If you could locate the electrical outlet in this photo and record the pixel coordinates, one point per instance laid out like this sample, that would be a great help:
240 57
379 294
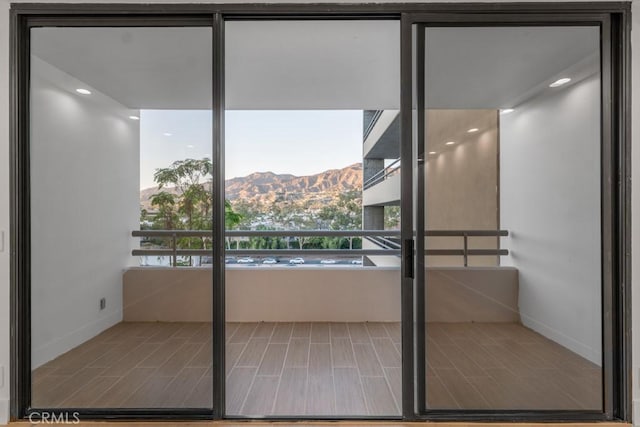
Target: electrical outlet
103 303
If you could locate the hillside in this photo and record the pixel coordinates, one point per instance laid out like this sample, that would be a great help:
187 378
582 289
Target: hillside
265 188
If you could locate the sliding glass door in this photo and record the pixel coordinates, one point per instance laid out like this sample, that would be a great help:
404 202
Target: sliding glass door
312 189
120 177
265 214
509 167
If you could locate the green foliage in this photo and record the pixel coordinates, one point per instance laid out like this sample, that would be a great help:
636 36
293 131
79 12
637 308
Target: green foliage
231 218
167 216
342 213
188 205
392 217
345 214
184 202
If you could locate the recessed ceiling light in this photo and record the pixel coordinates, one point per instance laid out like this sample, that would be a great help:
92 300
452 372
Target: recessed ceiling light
83 91
449 142
167 134
507 111
432 152
472 130
189 146
134 117
560 82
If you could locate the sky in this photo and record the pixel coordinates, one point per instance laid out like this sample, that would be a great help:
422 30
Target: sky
300 142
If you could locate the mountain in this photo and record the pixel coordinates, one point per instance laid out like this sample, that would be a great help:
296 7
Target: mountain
260 184
268 187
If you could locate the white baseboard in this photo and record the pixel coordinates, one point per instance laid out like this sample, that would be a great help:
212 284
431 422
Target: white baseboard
562 339
52 349
4 411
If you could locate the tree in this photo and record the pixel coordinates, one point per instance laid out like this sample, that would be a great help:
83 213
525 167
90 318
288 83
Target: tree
345 214
167 216
231 218
187 202
186 176
391 217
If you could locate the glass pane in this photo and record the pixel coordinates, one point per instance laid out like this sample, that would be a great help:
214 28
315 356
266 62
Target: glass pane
513 144
121 142
311 146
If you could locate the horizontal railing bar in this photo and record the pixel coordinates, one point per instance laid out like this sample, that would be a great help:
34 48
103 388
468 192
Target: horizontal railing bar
260 252
470 233
460 252
315 233
310 233
288 252
170 252
382 171
381 175
171 233
267 233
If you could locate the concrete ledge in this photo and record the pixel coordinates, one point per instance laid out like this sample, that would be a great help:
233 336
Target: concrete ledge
482 294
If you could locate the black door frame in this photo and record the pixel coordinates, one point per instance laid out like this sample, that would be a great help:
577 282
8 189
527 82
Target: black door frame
415 26
614 18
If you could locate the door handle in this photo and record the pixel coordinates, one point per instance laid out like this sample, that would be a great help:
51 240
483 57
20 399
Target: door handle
407 256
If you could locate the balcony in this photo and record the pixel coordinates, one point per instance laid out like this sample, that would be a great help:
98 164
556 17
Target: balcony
321 340
283 292
382 136
383 188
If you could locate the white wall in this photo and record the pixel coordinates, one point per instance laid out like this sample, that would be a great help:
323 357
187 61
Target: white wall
550 203
84 204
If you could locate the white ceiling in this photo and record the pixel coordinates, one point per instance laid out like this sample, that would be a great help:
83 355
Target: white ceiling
499 67
139 67
314 64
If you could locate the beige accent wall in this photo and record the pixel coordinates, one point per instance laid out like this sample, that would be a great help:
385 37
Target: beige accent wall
322 295
461 180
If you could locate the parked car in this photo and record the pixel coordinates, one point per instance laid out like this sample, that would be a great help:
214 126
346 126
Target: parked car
246 261
328 261
296 261
270 261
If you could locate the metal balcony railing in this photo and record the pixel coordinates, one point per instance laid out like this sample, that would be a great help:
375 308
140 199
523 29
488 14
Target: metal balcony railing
383 174
372 124
387 240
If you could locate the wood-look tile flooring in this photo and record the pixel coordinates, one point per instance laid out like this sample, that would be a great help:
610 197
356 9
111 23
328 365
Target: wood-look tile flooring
314 369
329 369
